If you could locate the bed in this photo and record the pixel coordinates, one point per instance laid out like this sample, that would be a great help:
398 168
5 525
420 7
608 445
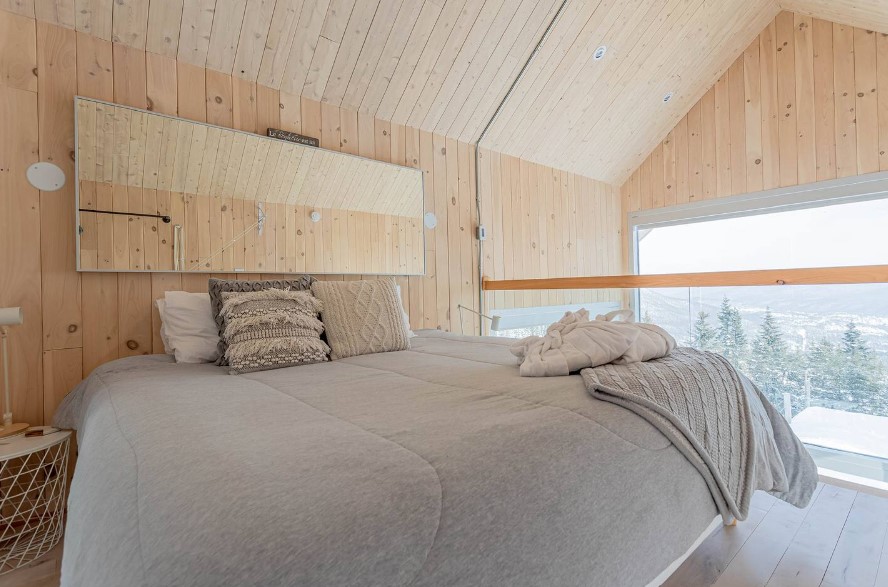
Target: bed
433 466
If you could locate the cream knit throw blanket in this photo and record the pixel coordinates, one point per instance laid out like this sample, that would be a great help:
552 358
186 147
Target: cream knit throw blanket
698 401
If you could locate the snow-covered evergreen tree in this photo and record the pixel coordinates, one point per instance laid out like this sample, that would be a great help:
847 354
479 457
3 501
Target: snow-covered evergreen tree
703 336
730 336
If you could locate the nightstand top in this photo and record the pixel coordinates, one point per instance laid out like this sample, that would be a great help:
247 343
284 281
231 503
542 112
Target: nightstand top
22 445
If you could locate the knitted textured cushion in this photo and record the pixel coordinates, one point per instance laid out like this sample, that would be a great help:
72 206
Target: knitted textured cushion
361 317
272 328
217 287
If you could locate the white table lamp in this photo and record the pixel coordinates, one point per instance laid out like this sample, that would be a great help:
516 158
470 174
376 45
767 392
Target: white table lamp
8 317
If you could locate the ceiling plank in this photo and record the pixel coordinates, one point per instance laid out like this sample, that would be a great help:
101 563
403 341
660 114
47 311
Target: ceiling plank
356 33
335 24
319 71
397 63
164 20
615 21
251 45
20 7
279 42
389 15
564 32
225 34
485 34
305 42
194 36
93 17
59 12
496 47
130 22
473 118
414 104
871 15
405 88
729 42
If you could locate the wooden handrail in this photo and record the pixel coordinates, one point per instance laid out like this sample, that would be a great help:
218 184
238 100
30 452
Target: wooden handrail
763 277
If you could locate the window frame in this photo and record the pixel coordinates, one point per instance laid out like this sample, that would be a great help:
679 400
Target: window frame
846 190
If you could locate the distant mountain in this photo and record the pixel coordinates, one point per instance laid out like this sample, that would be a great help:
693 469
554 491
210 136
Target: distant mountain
805 313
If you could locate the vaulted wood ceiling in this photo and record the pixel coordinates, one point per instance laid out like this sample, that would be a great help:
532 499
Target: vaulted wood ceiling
444 65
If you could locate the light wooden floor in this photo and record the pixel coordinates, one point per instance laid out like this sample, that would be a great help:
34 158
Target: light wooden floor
838 540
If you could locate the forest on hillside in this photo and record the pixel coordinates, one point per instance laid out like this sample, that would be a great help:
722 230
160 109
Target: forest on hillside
846 375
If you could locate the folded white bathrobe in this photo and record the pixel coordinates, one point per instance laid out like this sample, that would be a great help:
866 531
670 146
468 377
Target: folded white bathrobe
575 343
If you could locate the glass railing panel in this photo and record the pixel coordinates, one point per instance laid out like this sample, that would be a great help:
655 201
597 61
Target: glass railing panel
819 354
524 313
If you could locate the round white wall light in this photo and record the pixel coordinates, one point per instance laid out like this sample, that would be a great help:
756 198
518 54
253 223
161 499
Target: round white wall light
46 177
599 53
315 216
430 220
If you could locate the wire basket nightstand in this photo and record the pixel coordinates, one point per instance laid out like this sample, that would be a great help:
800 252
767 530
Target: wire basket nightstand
33 479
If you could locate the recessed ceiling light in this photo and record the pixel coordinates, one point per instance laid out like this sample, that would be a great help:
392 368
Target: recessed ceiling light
667 97
599 53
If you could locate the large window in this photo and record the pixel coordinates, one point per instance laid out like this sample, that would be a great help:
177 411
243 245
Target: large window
819 353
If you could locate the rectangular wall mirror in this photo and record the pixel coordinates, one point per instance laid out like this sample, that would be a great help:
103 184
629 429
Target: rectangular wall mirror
158 193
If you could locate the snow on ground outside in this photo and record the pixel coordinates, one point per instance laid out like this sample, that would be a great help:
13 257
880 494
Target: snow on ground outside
847 431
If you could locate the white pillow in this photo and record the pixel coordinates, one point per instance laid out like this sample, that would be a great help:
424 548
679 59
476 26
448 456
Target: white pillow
164 338
190 328
404 315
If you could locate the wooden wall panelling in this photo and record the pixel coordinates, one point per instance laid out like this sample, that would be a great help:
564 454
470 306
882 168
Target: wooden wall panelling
416 235
468 258
62 370
752 110
451 154
134 289
846 101
786 96
817 108
18 52
866 101
61 283
824 100
442 254
736 89
118 316
20 249
95 78
804 100
430 289
162 84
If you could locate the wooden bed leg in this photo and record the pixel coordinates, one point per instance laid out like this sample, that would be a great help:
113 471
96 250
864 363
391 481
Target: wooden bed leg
733 522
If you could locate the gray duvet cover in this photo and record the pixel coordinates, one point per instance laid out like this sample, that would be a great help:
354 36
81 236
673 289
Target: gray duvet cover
428 467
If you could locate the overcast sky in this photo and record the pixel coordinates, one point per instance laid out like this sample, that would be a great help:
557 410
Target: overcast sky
847 234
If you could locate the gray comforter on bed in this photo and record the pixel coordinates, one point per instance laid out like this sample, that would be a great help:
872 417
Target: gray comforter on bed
433 466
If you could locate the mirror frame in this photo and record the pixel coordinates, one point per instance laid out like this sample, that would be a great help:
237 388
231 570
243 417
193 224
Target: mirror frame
77 212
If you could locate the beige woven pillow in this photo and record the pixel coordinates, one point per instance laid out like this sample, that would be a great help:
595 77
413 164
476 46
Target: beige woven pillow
361 317
272 328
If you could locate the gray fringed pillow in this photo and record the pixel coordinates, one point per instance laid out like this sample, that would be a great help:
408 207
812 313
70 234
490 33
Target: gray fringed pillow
216 287
272 328
362 317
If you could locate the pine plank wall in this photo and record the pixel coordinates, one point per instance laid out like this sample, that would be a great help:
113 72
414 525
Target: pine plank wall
806 101
541 221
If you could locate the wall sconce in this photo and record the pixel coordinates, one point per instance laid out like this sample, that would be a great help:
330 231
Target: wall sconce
315 216
430 220
46 177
